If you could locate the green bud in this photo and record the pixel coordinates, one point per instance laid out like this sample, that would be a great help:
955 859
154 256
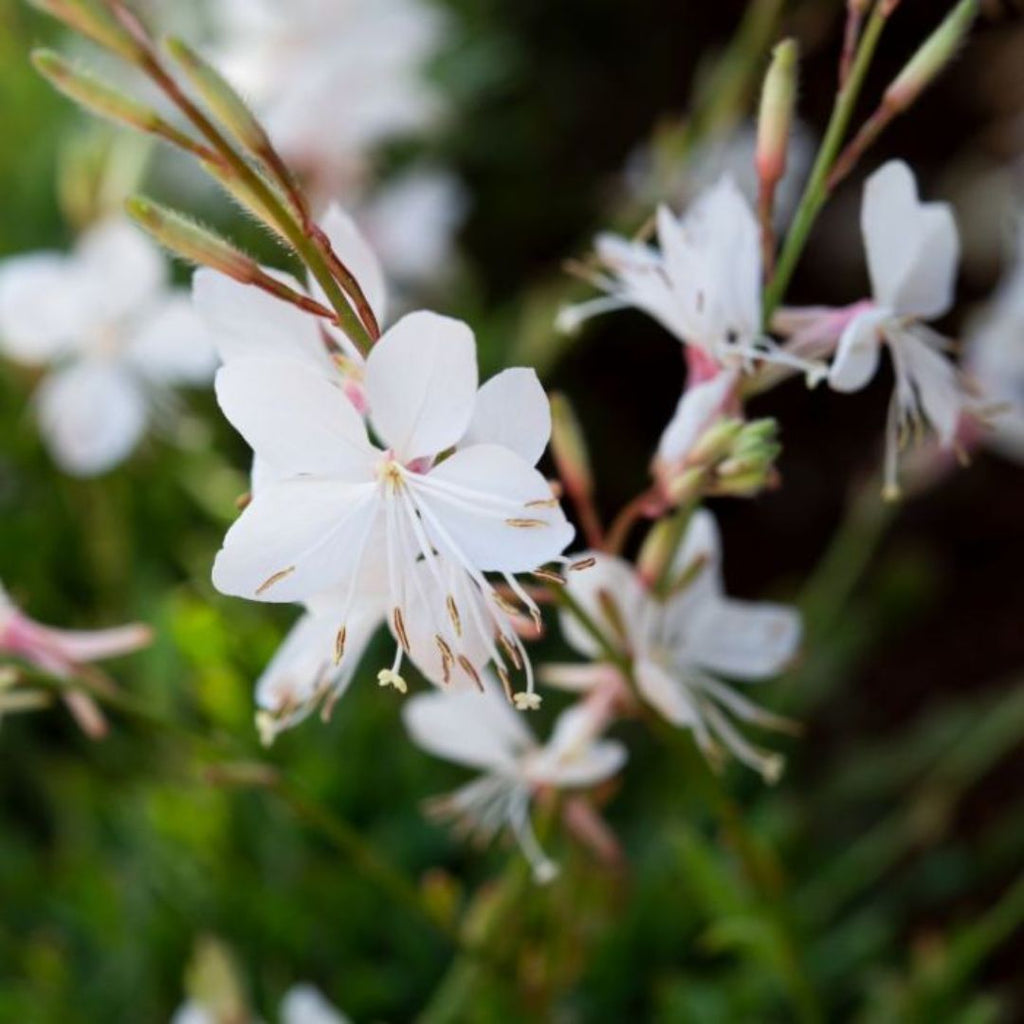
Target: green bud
687 486
716 442
657 551
932 57
220 98
95 22
190 241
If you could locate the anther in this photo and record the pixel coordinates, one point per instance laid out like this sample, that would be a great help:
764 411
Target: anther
399 623
339 645
276 578
467 666
453 614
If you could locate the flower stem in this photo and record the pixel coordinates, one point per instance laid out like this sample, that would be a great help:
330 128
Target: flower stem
817 191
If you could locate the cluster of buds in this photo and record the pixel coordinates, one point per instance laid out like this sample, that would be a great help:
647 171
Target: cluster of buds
731 458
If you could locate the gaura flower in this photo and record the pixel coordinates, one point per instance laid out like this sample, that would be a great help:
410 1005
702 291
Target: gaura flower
114 334
679 645
344 513
332 79
994 354
702 283
481 731
302 1004
912 252
64 653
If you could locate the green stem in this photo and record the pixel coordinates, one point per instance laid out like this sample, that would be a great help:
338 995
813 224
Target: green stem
817 190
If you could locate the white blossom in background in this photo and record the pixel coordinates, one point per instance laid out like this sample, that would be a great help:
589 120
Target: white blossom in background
444 493
302 1004
994 355
681 645
912 251
411 221
732 153
112 336
331 79
482 732
702 282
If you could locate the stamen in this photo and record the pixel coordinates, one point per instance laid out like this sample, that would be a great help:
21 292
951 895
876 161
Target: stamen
526 701
276 578
510 648
447 658
583 563
389 677
551 502
339 645
506 684
399 622
549 575
526 524
453 614
467 666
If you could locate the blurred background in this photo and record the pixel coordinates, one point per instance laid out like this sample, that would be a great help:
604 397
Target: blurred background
888 882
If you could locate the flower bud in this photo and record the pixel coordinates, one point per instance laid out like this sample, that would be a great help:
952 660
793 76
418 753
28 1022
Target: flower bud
221 98
716 442
190 241
656 553
569 448
687 485
95 22
932 57
775 120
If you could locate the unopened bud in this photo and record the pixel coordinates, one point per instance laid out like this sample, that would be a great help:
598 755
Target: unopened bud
656 553
716 442
775 119
757 438
188 240
754 460
687 486
220 98
745 485
95 22
569 448
932 57
96 96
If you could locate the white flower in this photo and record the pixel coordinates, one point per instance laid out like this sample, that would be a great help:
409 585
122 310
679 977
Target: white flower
302 1004
104 318
702 283
341 513
332 78
481 731
678 646
995 356
912 252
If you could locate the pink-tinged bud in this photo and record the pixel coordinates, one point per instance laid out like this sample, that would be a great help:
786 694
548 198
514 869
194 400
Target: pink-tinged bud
188 240
933 56
775 120
570 449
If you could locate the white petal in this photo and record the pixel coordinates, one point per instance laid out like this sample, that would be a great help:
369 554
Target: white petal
912 247
936 381
246 322
666 694
513 411
573 756
41 313
478 730
421 382
295 419
298 539
304 665
857 353
745 639
92 415
697 410
172 345
352 248
479 494
304 1004
702 543
123 270
608 578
